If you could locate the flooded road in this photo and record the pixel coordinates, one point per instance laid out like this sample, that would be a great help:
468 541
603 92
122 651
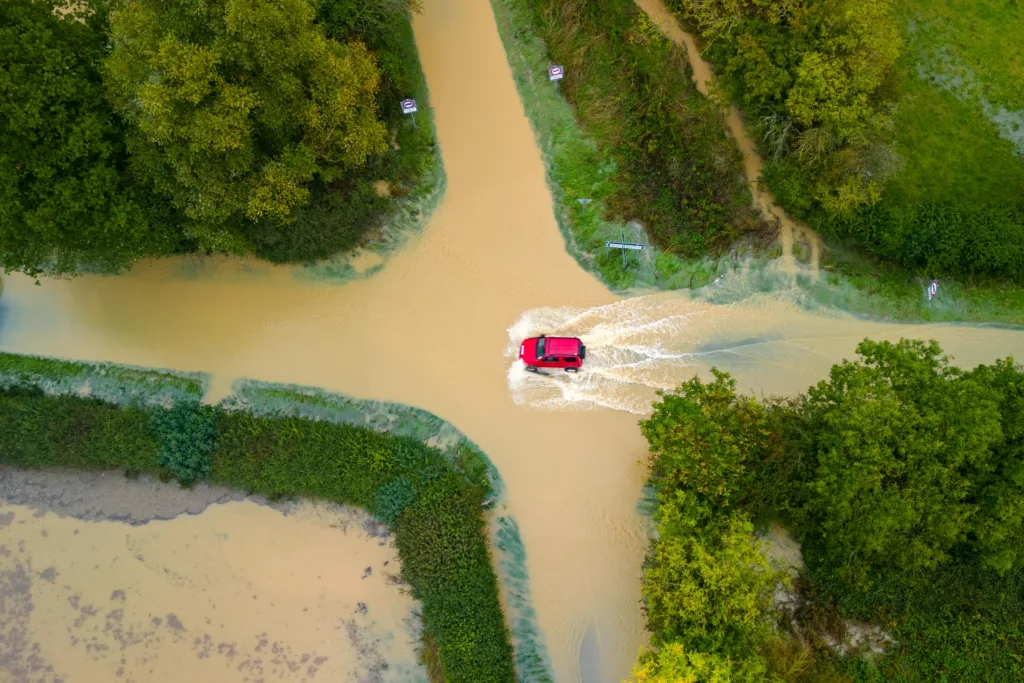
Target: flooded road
239 593
431 330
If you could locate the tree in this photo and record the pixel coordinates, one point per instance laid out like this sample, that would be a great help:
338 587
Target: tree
236 106
673 663
812 72
998 528
703 440
887 444
66 200
712 592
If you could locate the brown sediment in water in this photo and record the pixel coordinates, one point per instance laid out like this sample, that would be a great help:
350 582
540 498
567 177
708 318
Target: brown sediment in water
430 330
241 592
753 165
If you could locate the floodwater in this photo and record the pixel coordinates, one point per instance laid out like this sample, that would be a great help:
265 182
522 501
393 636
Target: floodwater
240 593
643 344
431 330
790 231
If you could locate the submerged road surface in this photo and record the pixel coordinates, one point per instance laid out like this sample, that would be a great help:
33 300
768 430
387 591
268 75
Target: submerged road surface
430 330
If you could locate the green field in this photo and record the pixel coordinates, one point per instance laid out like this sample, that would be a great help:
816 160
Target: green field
951 148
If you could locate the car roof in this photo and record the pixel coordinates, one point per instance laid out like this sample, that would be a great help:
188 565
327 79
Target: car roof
561 346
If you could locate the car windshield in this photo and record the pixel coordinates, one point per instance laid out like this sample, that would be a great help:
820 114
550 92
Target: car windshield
540 347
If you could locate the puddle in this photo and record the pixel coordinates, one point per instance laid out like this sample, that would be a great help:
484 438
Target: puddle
240 593
430 329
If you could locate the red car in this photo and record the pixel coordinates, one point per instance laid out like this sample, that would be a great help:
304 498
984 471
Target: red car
552 352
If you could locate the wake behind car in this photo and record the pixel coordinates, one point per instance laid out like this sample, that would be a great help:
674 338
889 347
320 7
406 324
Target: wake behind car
552 352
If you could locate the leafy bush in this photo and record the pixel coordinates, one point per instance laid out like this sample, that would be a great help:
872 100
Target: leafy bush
41 430
188 435
393 498
674 664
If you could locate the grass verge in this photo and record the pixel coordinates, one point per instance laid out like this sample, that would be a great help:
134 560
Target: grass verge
278 441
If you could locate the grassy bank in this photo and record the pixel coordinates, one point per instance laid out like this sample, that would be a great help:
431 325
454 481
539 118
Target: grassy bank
278 441
627 130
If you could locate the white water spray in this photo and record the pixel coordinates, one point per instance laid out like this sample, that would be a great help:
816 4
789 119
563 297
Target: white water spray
635 347
638 346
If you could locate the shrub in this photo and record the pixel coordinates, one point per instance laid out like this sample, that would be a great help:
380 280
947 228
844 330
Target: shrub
939 238
188 435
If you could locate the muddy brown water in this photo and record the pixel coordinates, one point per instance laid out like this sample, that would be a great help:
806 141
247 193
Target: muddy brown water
239 593
431 330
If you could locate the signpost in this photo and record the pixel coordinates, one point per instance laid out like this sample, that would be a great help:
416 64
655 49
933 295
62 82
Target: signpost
933 289
409 107
625 246
555 74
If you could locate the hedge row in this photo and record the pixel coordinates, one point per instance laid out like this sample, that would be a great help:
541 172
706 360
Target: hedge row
939 239
432 500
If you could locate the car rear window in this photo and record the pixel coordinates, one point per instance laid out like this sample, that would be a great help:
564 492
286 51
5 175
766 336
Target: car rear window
540 347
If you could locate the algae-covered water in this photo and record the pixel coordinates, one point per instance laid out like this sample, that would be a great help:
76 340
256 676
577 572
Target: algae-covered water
431 329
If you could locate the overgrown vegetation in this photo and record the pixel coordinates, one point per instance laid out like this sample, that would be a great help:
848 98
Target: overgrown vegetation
813 72
903 478
136 129
661 155
432 499
876 127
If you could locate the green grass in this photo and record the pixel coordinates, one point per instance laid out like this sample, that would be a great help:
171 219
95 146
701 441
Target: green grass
286 442
950 148
120 384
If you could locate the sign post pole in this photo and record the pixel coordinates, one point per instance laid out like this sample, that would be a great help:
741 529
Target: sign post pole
624 245
555 74
409 107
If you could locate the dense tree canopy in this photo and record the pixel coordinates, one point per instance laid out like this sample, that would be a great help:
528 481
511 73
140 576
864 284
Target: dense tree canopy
65 199
235 107
890 444
897 472
812 73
